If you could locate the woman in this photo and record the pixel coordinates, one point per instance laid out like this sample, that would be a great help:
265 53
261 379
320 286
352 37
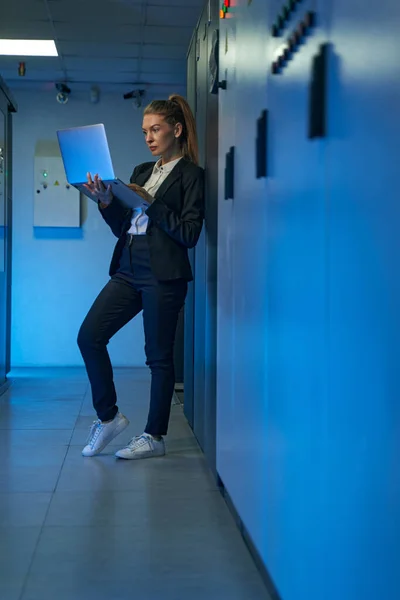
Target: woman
149 271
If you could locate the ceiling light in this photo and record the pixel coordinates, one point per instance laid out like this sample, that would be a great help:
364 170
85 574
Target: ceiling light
28 48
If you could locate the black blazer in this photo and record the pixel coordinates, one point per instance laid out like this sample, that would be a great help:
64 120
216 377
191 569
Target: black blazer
175 220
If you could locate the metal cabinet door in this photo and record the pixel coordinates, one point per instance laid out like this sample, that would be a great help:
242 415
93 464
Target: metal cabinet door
5 233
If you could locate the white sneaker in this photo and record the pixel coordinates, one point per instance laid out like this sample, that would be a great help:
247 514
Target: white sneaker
101 434
142 446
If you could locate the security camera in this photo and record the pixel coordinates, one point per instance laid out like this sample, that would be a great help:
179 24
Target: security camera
63 93
136 96
62 87
62 98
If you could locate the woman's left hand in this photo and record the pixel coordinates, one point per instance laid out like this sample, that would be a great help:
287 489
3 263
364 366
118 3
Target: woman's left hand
142 192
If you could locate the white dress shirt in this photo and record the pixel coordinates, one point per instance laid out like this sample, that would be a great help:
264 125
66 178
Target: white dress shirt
160 173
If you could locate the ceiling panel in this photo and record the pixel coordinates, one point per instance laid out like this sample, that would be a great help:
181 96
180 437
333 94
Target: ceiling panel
32 62
49 74
99 50
92 77
32 10
172 16
168 35
161 50
121 88
163 66
115 43
195 3
101 64
115 3
80 32
179 78
21 29
128 78
103 13
96 4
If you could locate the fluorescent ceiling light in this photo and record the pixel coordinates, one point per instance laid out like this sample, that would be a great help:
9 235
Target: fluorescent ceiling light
28 48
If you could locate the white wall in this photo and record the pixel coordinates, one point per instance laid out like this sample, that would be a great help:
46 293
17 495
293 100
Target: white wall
58 273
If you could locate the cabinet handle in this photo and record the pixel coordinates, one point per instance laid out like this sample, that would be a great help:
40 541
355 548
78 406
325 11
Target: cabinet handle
262 146
318 93
230 174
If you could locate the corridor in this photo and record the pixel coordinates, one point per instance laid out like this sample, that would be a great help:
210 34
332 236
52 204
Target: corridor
101 529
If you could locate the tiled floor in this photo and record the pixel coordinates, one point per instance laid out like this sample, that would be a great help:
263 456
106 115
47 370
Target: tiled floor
74 528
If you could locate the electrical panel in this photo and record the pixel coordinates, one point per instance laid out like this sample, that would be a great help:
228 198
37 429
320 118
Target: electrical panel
56 202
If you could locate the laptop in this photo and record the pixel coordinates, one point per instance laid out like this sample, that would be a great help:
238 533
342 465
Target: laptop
85 150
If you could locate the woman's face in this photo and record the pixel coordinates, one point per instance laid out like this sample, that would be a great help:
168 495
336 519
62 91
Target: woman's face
161 137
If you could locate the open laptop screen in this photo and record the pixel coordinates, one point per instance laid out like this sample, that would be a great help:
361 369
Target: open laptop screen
83 150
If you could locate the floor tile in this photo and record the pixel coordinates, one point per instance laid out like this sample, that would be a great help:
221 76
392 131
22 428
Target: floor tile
16 551
34 437
124 562
54 374
23 509
136 374
99 528
27 469
139 508
18 395
105 472
39 415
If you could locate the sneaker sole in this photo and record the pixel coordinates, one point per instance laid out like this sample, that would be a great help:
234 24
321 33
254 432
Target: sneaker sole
116 432
143 456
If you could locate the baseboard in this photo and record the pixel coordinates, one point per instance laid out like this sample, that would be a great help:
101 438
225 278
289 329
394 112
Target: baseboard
269 584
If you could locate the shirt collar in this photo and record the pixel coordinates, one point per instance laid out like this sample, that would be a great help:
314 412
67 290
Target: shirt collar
166 168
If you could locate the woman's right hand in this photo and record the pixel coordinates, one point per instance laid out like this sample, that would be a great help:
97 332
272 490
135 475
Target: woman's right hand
97 189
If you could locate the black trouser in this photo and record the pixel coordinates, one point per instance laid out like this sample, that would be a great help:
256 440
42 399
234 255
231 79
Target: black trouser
131 290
